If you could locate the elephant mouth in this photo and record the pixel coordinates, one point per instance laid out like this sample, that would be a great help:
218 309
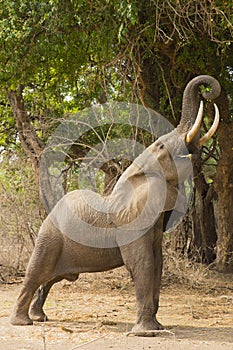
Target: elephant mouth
184 156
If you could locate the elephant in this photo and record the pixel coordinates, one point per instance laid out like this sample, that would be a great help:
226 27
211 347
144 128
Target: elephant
87 232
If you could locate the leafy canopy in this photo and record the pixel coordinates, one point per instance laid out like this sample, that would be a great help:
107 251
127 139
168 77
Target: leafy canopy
69 54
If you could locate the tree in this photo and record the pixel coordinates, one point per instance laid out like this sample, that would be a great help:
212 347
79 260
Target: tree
172 42
128 49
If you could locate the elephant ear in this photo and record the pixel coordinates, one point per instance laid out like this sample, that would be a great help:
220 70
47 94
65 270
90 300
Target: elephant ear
175 207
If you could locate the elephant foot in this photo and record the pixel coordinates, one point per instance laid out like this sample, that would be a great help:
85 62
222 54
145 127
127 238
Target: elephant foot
38 315
146 328
20 320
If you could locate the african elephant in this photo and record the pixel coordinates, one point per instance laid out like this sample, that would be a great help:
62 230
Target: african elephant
86 232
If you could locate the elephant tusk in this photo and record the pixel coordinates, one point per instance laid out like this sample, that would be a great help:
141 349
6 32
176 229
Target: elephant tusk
196 125
213 128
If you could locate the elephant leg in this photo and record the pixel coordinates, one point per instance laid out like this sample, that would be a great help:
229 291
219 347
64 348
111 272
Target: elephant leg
139 260
41 268
158 265
36 310
20 312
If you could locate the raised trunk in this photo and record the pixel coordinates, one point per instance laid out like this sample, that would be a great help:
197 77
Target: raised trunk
191 99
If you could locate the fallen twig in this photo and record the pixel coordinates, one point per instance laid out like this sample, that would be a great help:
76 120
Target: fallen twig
149 333
91 341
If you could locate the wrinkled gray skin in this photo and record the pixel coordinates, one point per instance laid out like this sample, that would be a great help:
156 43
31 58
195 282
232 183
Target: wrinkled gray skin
58 256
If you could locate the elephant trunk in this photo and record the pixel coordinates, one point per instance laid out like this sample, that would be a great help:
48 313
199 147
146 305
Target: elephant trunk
191 100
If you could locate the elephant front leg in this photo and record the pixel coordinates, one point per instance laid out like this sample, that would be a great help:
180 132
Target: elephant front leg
158 264
140 263
147 306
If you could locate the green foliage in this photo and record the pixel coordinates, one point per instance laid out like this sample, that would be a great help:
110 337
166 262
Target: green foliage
7 128
53 41
15 165
58 52
69 54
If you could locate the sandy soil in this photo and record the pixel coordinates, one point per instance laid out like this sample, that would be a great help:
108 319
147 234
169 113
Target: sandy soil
98 310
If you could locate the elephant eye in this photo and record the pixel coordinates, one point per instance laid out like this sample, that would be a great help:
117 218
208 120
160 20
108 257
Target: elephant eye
161 146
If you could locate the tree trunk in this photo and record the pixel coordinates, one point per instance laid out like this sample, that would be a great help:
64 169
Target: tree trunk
205 216
224 189
30 143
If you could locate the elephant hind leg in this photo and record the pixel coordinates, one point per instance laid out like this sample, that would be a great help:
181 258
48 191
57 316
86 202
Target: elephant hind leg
36 310
20 315
40 270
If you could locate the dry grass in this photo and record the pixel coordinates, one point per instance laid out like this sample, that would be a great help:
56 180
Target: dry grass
179 269
14 255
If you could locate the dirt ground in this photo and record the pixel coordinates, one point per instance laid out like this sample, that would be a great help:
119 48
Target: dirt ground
98 310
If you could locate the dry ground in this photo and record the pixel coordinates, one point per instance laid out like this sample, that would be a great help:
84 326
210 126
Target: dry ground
96 312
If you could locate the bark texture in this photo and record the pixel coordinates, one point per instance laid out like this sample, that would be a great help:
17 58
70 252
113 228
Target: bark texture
224 189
